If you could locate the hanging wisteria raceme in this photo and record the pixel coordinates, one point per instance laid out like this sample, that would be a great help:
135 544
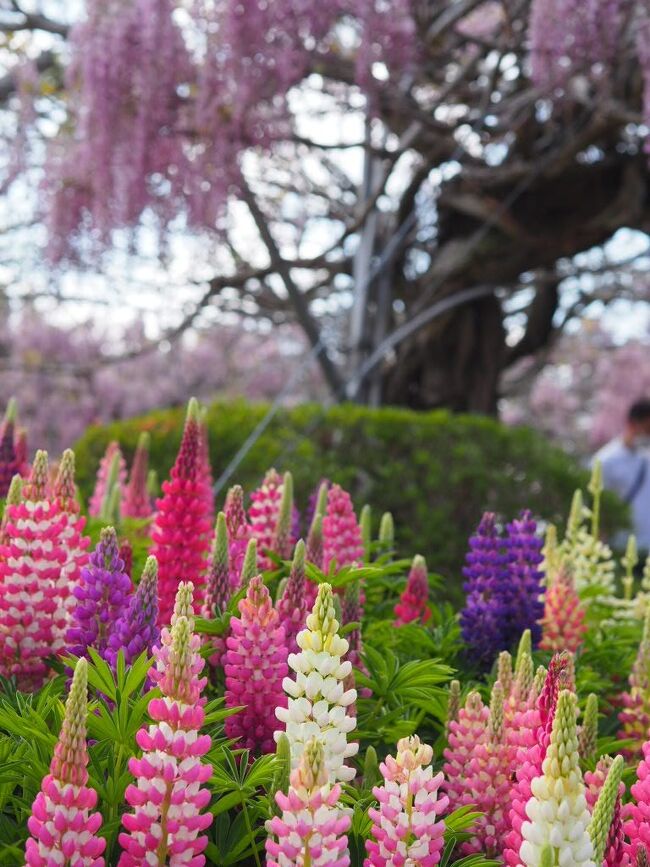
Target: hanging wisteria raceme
136 629
102 597
239 532
342 543
63 830
166 824
136 502
311 828
101 490
407 828
255 665
413 605
33 605
318 702
182 526
293 604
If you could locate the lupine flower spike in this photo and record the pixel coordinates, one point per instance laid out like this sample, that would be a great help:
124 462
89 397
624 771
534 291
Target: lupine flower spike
239 532
465 734
386 534
292 606
637 814
250 566
563 623
413 603
314 554
342 543
521 593
407 828
606 829
283 541
14 498
182 526
33 604
217 588
62 827
588 733
166 824
102 597
136 629
136 502
453 704
557 810
263 515
311 829
255 664
365 525
318 703
110 510
9 461
635 716
103 473
280 782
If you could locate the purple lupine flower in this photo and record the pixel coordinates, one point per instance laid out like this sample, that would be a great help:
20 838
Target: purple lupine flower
522 592
482 618
102 597
136 630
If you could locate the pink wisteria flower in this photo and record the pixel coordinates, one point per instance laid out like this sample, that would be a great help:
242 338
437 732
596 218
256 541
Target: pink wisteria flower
407 828
62 827
312 826
166 824
342 542
255 664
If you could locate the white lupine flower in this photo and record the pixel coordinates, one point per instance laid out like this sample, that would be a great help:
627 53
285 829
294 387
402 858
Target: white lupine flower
317 700
557 810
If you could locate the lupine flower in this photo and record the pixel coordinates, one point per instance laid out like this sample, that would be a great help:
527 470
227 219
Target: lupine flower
563 624
465 734
182 525
283 537
386 534
9 461
98 499
263 515
522 591
126 556
557 810
102 597
255 665
33 605
588 732
239 532
136 629
342 541
604 791
14 498
413 603
218 588
407 828
312 827
635 716
250 566
318 703
314 554
636 815
62 827
292 606
166 823
365 526
136 502
317 502
204 460
453 704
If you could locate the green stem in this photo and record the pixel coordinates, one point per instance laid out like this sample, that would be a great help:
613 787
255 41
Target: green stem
249 828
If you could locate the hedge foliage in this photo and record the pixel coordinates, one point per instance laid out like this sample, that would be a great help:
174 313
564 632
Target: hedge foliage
435 471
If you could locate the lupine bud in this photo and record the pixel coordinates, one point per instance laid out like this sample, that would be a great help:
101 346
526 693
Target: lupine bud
386 533
136 629
239 533
283 541
126 556
314 552
280 782
453 704
342 543
106 466
9 461
365 526
250 566
14 498
136 502
413 603
407 828
217 588
255 665
371 773
62 827
167 799
504 671
588 734
318 703
292 606
629 562
603 814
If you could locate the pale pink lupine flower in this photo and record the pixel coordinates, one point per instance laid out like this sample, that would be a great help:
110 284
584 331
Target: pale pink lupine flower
342 540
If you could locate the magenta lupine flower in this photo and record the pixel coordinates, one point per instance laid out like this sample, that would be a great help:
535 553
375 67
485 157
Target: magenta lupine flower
263 514
136 502
312 827
32 609
413 603
407 828
255 664
239 532
293 605
342 541
167 799
62 827
103 473
136 629
126 556
465 734
636 815
102 597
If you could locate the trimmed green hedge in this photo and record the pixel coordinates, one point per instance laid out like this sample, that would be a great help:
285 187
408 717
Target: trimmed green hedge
436 472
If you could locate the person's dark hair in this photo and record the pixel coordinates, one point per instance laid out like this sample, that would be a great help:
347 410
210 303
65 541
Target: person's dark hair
639 411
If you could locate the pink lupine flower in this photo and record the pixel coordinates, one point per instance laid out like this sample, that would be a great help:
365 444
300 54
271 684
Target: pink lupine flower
465 734
239 532
166 823
32 607
342 542
263 514
563 624
635 716
136 502
312 827
182 525
255 664
101 484
62 827
413 603
406 826
636 815
293 604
